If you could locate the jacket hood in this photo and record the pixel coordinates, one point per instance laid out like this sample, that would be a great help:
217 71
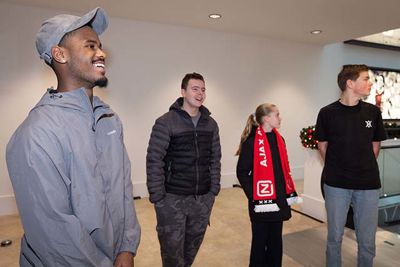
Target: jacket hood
177 106
76 99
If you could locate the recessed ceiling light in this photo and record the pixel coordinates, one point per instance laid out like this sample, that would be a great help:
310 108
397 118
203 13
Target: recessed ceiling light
316 32
215 16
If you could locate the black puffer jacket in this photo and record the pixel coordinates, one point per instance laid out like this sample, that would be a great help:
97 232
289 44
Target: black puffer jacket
183 159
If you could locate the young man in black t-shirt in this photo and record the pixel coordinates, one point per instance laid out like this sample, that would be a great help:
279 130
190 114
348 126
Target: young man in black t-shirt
349 132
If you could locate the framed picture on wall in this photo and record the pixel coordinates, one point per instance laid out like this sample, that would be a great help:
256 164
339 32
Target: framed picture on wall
385 92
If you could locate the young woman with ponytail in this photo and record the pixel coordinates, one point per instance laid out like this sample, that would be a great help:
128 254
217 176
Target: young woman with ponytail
264 173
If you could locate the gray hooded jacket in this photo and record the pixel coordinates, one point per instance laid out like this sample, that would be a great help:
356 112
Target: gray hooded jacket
72 181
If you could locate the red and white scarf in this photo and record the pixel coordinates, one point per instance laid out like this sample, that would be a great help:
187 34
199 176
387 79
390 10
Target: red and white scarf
264 190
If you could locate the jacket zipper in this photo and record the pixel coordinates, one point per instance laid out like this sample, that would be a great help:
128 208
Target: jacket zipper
197 162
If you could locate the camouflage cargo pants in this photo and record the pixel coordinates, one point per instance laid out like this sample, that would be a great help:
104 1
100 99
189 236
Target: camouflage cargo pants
181 224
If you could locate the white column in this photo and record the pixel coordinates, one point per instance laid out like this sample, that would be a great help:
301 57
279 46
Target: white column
313 202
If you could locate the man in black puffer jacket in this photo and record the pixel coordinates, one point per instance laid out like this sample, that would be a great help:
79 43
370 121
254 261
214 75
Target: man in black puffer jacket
183 173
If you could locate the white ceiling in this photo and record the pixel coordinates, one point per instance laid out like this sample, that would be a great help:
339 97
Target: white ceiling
290 20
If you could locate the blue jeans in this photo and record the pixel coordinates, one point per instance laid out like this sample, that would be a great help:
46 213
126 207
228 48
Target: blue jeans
365 207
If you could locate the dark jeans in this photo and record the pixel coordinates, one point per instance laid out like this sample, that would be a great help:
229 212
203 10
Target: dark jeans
181 224
266 244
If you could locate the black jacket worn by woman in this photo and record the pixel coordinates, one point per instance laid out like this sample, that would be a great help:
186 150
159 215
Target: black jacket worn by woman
244 172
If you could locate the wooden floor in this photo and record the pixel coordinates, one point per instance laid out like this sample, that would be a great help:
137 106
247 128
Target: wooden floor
227 242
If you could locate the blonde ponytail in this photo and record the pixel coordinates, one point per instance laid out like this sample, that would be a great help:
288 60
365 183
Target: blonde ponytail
253 121
247 130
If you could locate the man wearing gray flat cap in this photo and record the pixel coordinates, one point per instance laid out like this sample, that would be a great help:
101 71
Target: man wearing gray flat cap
67 161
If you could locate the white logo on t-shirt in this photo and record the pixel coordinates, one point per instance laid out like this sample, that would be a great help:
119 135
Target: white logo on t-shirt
368 124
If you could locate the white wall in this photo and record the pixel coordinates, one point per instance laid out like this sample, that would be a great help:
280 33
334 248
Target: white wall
146 63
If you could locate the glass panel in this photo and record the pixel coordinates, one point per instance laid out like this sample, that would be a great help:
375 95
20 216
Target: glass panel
389 167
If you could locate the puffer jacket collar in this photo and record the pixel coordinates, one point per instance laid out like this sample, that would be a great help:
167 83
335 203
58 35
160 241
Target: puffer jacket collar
177 106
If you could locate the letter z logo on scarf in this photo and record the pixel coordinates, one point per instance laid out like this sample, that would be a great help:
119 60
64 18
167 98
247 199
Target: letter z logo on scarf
265 188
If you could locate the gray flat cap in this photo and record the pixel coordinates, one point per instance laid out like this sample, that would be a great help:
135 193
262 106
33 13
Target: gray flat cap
54 29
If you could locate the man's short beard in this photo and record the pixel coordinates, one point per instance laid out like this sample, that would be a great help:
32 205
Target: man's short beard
101 82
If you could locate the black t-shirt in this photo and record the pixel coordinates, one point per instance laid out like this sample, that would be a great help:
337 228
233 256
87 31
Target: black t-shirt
350 130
